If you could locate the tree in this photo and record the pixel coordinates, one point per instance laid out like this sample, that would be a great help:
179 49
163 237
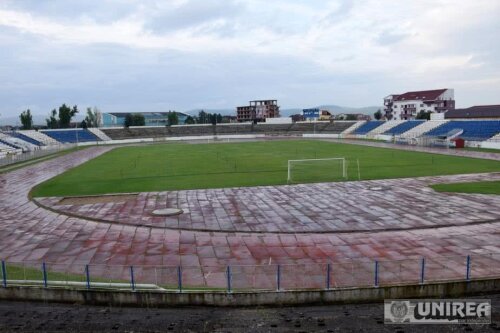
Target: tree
139 120
426 115
26 119
134 119
189 120
203 117
83 124
65 115
378 115
93 118
351 117
172 118
128 120
52 120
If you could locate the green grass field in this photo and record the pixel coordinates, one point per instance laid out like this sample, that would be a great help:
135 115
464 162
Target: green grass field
489 187
186 166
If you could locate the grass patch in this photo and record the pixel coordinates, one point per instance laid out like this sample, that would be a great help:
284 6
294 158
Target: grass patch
488 187
185 166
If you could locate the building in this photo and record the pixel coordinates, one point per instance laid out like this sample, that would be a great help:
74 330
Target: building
316 114
117 119
475 112
408 105
258 110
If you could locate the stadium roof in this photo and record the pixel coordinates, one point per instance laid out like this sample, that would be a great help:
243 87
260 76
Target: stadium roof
478 111
425 95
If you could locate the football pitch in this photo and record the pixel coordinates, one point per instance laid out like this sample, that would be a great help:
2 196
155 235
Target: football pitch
181 166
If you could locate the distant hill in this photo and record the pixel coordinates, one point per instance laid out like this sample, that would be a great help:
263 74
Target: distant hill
334 109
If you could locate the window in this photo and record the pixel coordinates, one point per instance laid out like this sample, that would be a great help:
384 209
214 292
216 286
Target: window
421 105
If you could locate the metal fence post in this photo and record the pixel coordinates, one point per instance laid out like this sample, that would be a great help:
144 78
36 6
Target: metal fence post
132 281
44 274
278 278
228 273
467 273
376 273
87 276
4 275
328 269
422 270
179 278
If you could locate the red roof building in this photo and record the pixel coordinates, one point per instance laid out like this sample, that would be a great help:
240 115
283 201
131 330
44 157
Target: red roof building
410 104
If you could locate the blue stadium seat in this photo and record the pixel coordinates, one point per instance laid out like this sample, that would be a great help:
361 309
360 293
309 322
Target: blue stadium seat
368 127
403 127
473 130
25 138
72 136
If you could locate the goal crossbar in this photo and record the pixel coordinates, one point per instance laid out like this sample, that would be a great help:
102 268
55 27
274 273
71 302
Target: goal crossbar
344 171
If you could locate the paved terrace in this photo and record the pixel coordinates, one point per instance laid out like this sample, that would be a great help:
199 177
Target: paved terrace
30 233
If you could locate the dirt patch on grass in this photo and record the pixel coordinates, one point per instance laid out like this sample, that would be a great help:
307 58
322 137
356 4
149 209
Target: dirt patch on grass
95 199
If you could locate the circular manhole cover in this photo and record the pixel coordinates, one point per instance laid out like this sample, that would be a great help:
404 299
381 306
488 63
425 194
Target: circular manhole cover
167 211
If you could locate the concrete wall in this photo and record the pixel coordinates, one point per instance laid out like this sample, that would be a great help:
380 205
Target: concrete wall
165 299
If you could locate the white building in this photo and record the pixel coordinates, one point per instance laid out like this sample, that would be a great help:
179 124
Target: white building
408 105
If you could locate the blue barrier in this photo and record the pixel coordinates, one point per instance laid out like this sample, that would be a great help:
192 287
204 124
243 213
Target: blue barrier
132 280
228 273
179 278
87 276
467 273
422 270
44 274
328 269
4 275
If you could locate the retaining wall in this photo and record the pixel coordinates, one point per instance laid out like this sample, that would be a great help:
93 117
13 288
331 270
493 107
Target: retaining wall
166 299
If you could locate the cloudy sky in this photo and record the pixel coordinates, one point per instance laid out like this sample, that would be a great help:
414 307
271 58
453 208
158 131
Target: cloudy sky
128 55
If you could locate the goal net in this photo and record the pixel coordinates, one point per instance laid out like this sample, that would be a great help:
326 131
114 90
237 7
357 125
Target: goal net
317 170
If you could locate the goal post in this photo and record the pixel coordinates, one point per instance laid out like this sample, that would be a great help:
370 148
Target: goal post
318 169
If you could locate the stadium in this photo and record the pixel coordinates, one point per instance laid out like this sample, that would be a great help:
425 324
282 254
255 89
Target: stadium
251 208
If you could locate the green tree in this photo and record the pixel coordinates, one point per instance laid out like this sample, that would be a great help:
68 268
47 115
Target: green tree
351 117
26 119
172 118
52 120
203 117
378 115
93 117
425 115
189 120
83 124
129 120
138 119
65 115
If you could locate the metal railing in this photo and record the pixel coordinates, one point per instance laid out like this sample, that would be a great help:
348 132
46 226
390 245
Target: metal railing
234 278
10 159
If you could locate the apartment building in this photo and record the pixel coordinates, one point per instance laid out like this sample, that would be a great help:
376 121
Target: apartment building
406 106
